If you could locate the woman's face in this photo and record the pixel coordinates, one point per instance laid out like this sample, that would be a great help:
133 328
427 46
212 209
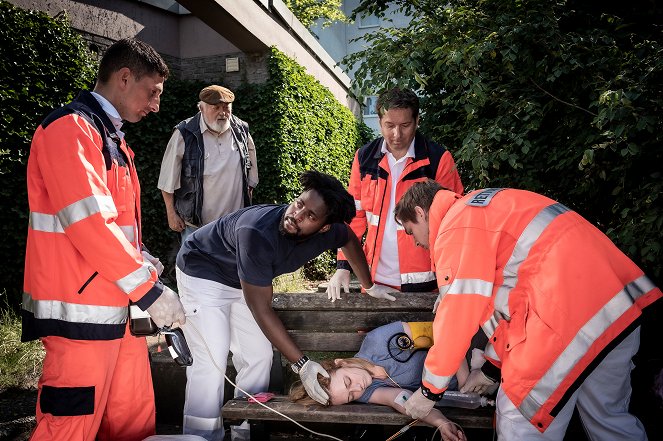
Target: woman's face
347 384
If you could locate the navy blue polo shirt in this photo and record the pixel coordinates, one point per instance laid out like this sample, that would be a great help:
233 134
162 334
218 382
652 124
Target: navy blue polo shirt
247 245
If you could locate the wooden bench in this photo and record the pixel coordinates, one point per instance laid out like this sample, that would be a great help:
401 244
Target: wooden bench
319 327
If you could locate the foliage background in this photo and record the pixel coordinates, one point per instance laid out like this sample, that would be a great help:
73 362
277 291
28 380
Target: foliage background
308 12
558 97
43 65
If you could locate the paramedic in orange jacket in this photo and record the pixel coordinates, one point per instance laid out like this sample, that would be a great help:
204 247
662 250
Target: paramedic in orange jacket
558 301
83 260
382 171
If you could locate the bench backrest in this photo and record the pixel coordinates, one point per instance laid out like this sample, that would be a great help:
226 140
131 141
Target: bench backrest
317 324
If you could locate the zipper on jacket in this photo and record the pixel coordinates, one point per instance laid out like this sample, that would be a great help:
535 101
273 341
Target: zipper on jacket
377 230
82 288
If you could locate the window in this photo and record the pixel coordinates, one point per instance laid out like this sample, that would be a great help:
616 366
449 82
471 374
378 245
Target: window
368 21
370 106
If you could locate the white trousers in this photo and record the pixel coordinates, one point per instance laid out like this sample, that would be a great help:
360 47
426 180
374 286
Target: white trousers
602 401
225 323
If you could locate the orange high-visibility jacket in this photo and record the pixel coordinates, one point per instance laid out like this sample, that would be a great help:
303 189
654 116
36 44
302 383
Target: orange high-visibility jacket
83 263
370 185
548 288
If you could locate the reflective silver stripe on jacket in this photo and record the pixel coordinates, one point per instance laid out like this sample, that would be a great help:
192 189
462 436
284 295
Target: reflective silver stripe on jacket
489 352
464 286
490 325
372 219
583 340
129 232
438 381
86 207
136 278
48 223
525 242
470 286
420 277
73 312
357 205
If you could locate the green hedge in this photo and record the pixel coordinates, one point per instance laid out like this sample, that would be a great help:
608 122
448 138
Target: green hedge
297 125
43 65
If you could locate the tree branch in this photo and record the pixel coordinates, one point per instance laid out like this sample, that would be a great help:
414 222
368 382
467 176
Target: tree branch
560 100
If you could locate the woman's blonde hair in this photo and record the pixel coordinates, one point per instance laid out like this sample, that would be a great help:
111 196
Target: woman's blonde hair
299 395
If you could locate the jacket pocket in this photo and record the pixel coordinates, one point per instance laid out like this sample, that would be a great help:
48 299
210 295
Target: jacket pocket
87 282
119 184
67 401
369 188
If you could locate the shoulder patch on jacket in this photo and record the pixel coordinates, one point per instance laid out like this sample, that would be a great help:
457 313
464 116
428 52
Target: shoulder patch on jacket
483 198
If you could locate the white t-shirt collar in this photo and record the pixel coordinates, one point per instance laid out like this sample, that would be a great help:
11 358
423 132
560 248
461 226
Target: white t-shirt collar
409 154
111 111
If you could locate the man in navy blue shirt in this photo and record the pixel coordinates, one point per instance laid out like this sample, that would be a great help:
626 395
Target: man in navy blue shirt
224 275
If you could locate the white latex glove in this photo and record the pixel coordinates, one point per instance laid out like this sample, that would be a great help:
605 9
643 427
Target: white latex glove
167 309
340 279
381 292
154 261
309 376
477 382
418 406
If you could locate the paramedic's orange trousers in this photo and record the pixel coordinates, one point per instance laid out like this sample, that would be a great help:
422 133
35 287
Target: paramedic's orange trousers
95 389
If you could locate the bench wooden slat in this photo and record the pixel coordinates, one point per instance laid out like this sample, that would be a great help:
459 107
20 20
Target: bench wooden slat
327 342
347 321
353 301
353 413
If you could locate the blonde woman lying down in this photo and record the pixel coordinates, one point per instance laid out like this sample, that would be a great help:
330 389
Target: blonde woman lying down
374 375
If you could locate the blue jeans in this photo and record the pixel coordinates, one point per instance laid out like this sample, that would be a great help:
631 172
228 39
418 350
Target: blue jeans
186 232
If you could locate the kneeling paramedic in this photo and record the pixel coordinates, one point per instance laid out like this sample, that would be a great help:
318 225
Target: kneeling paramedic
556 298
224 275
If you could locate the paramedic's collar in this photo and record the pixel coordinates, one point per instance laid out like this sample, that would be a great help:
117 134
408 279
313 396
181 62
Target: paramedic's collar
111 111
410 150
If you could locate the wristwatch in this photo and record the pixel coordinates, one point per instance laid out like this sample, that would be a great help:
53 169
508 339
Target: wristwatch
431 395
296 366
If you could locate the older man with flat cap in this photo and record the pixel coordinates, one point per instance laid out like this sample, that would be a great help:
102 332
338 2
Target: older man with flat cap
209 167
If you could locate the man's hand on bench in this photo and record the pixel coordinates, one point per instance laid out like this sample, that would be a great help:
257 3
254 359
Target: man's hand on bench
340 280
381 292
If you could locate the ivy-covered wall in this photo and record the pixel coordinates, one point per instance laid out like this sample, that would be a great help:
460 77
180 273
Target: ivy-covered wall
43 65
296 123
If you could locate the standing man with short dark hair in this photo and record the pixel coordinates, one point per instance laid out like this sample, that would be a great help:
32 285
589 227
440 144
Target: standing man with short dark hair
382 171
83 260
209 168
